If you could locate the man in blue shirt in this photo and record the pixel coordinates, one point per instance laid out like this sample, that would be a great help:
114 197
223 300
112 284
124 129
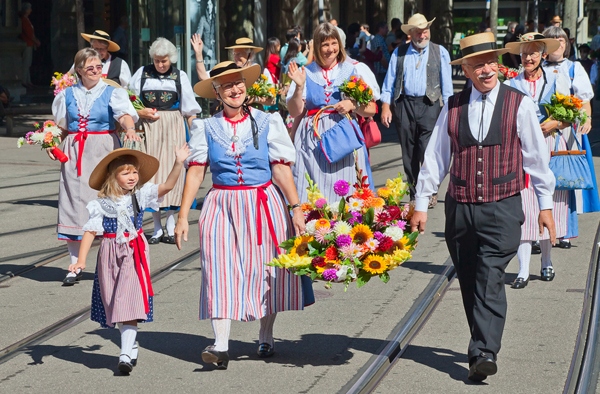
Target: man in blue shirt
417 85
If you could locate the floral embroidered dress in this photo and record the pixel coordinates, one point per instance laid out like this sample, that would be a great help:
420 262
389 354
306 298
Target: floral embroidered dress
244 218
89 116
172 95
122 288
321 89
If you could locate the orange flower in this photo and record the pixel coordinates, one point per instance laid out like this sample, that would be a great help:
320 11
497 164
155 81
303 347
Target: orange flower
306 207
363 194
48 138
322 223
375 202
361 88
351 85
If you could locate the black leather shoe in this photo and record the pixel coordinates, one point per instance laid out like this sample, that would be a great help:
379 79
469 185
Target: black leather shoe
563 244
265 350
482 367
71 280
535 247
547 274
125 367
154 240
168 239
210 355
520 283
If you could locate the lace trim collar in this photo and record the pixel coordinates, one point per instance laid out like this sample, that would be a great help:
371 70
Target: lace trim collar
85 98
122 211
216 127
315 73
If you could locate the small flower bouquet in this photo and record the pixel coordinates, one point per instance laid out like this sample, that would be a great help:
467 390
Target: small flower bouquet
507 72
566 108
62 81
48 136
262 88
354 239
135 100
356 89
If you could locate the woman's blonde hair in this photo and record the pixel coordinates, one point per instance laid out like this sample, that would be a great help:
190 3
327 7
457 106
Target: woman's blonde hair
82 57
323 32
110 188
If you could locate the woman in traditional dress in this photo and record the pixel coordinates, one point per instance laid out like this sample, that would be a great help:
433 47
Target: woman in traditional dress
316 86
540 86
571 78
87 113
168 97
244 216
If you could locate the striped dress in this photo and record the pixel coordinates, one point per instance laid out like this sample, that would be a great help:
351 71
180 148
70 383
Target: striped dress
120 294
236 239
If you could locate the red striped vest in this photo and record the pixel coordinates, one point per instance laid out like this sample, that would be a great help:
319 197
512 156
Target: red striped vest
493 169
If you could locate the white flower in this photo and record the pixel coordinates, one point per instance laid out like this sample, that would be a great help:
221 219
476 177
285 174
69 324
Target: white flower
38 138
394 232
56 132
344 272
311 227
355 204
20 142
342 227
334 208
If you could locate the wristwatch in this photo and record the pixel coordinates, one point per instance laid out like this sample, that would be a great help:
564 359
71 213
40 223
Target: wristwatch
292 207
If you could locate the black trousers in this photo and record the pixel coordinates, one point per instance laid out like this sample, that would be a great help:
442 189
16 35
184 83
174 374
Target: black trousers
415 118
482 239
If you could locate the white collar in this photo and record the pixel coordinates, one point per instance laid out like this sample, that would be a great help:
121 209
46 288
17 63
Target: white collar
491 97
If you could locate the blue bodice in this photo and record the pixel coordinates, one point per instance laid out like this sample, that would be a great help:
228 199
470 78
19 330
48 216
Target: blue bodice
319 91
246 166
99 119
110 224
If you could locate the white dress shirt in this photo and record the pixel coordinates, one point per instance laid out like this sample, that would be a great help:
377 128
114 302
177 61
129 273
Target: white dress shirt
438 155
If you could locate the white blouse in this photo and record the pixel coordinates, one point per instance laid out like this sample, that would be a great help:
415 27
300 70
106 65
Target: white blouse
119 102
278 139
188 104
582 88
360 69
122 209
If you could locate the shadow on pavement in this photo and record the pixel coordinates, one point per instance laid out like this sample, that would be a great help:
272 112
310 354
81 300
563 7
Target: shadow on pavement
43 274
443 360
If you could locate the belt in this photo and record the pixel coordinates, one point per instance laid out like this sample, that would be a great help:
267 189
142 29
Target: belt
80 137
141 264
314 111
261 202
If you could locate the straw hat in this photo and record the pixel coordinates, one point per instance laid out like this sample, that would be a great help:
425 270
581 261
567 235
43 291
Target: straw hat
478 44
552 44
102 36
205 88
147 166
111 83
417 21
245 42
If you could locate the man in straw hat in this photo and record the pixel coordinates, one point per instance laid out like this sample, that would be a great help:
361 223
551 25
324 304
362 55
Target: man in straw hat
113 68
417 84
487 137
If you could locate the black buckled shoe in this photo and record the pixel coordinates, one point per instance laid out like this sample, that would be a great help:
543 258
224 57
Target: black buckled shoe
265 350
154 240
481 367
70 280
124 366
168 239
563 244
520 283
210 355
547 274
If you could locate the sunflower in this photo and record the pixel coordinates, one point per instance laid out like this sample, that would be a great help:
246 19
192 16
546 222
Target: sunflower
375 264
361 234
300 247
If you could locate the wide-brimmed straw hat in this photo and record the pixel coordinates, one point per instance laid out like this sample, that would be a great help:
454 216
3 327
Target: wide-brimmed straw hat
111 83
205 88
552 44
146 165
478 44
417 21
245 42
102 36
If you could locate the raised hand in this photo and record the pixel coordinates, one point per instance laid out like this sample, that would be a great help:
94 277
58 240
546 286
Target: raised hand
197 44
296 74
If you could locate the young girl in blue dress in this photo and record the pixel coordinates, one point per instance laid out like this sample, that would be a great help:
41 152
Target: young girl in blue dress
122 291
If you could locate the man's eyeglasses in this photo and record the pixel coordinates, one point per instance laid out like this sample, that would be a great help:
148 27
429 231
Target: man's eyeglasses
480 66
92 68
241 83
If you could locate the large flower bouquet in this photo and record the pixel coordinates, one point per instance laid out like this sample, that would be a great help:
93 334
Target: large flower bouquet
135 100
507 72
62 81
356 89
566 108
354 239
262 88
47 135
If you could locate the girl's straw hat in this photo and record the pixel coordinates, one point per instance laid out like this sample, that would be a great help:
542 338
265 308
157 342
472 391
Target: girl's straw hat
552 44
146 165
417 21
102 36
245 42
478 44
205 88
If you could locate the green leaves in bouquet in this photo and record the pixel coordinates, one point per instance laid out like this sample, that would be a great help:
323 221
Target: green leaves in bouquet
368 217
287 244
362 278
385 277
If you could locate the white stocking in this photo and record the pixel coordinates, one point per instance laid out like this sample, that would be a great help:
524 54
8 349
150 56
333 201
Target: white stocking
546 248
221 328
158 231
128 334
73 247
170 225
524 256
265 335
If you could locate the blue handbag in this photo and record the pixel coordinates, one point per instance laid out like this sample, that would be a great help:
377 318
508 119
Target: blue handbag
340 140
571 168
